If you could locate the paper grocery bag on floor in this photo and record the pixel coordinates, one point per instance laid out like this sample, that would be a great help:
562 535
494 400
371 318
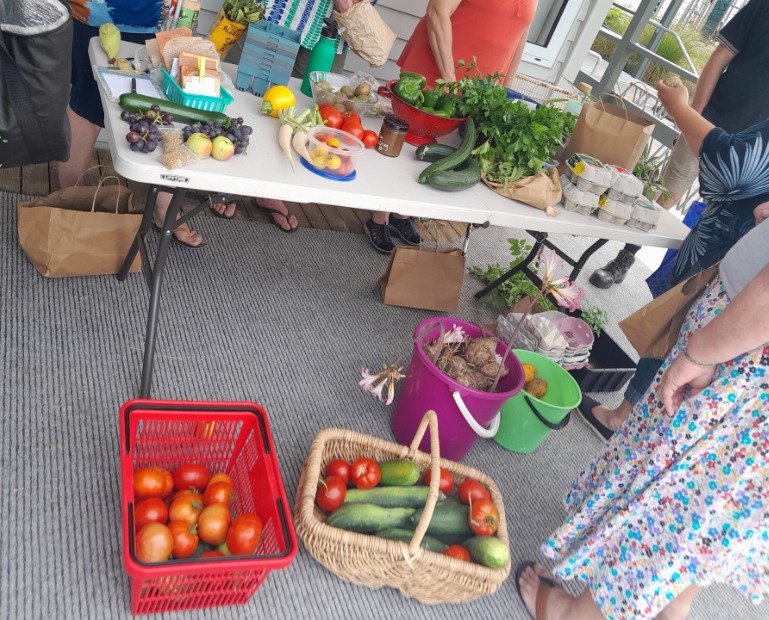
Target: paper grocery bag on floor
609 133
654 329
79 231
424 278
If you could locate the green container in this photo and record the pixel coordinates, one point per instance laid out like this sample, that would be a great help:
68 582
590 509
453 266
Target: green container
525 421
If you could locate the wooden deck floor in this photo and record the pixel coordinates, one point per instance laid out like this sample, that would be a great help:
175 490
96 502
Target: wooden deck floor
42 179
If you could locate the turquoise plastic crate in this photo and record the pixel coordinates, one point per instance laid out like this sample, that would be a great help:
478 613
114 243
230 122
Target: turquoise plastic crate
175 93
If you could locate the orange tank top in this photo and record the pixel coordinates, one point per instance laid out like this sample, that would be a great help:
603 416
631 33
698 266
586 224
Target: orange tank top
488 30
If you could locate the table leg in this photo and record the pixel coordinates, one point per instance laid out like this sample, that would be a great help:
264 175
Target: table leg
157 269
141 235
522 266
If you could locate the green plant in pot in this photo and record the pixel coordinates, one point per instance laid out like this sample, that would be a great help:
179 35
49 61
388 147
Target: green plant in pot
649 169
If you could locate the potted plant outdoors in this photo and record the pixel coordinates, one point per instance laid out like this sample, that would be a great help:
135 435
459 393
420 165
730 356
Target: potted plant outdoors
649 170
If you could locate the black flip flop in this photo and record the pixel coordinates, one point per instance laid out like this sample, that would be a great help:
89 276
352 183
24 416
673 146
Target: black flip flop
586 411
271 212
175 239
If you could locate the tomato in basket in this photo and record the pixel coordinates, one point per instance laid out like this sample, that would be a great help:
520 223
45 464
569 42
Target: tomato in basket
331 493
472 490
154 543
213 524
244 534
446 483
149 482
150 510
339 467
484 517
185 538
191 476
458 552
365 473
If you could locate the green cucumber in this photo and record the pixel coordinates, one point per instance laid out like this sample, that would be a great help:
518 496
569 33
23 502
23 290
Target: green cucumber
463 176
433 151
405 535
398 473
449 522
390 497
487 550
460 155
182 113
368 518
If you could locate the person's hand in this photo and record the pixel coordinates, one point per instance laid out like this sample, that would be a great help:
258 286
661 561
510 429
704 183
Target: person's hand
343 5
679 377
672 94
761 212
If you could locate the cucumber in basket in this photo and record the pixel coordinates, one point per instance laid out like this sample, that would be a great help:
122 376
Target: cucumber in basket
405 535
391 497
368 518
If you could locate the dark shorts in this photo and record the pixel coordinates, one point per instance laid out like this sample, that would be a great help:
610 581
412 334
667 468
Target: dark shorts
84 95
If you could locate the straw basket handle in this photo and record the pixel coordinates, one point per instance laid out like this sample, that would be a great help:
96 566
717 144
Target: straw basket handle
431 420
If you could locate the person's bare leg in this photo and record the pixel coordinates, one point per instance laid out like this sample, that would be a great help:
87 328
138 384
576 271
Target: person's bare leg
183 233
562 606
673 200
83 134
380 217
680 606
612 418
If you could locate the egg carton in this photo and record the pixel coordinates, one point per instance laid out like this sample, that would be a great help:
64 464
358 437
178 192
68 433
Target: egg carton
588 186
588 173
619 196
624 186
575 199
615 212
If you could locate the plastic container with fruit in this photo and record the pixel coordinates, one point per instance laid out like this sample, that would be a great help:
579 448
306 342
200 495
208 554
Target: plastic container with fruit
343 94
332 153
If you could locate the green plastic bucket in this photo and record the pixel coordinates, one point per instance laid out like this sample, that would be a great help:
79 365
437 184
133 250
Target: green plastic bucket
525 421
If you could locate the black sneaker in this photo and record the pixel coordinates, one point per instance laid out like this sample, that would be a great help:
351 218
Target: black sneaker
379 235
405 230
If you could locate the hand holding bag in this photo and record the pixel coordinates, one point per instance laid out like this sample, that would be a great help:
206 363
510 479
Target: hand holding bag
422 278
609 133
35 42
79 231
654 329
366 32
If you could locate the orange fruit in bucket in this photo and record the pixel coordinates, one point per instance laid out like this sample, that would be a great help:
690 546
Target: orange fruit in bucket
529 372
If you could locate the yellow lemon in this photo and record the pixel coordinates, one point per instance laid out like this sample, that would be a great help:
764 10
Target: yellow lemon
529 372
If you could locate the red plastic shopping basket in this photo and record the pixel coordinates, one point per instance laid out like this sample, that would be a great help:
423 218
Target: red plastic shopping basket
230 437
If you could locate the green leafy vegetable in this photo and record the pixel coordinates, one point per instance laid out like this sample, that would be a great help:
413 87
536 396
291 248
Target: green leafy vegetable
243 11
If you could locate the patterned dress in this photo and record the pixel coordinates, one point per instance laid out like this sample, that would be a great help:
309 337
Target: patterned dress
676 500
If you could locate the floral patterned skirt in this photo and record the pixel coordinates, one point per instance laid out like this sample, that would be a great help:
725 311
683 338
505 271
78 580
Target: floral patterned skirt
676 500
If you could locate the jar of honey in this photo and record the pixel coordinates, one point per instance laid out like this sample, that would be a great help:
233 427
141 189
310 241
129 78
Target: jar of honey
392 135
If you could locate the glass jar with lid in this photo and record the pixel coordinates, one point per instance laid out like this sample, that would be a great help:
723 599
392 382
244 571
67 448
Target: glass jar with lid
391 135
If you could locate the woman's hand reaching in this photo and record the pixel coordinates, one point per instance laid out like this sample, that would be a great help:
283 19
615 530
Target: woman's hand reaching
681 376
673 95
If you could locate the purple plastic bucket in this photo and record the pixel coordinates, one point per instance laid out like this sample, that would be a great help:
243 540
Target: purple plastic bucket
426 387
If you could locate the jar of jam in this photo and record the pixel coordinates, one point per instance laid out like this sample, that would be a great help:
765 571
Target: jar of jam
391 135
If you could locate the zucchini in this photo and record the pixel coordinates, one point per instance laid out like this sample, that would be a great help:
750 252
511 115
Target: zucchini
449 522
433 151
405 535
457 157
390 497
182 113
398 473
463 176
368 518
487 550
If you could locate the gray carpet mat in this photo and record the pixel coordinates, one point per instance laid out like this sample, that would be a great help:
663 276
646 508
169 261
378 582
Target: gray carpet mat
283 320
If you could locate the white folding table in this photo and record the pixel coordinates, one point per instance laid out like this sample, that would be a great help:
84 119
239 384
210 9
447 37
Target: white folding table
382 184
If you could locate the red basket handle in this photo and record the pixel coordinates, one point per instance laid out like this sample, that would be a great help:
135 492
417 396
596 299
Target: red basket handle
431 419
383 91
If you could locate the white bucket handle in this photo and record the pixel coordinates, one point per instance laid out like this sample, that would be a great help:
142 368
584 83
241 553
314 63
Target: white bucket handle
486 433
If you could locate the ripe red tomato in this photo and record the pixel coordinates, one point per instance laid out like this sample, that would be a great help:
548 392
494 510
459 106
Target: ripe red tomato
186 507
154 543
471 489
339 467
365 473
353 127
220 477
370 138
148 482
168 482
348 115
191 476
213 524
458 552
484 517
214 553
346 167
332 116
150 510
218 493
331 493
185 538
446 482
244 534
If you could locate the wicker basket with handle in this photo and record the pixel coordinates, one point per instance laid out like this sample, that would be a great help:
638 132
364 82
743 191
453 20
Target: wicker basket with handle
375 562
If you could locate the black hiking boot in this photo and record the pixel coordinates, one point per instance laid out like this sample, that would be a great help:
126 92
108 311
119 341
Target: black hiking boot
379 235
614 272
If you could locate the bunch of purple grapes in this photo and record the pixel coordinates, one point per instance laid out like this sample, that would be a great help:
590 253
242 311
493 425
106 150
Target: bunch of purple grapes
236 131
144 135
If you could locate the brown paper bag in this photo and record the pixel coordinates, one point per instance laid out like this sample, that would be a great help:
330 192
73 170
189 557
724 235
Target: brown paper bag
541 191
654 329
366 33
422 278
609 133
79 231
